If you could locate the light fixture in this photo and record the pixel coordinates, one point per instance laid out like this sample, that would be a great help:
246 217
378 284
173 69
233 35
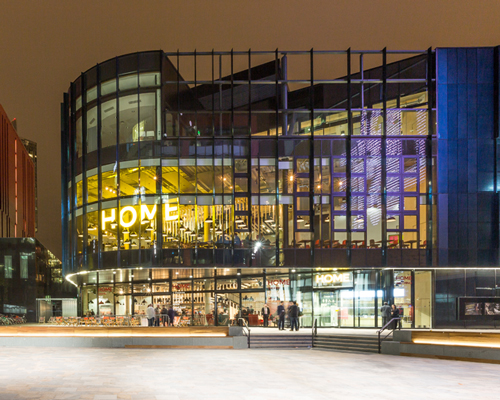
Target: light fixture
133 234
392 218
149 228
188 231
80 234
209 220
114 225
107 301
269 219
101 302
126 241
125 231
218 231
360 219
300 219
181 228
307 224
327 219
144 221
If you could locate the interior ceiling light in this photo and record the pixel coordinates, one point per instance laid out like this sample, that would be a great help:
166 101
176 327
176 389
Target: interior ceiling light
209 220
144 221
133 234
149 228
300 219
392 218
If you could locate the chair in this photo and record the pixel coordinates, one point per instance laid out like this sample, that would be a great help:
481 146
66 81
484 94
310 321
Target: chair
373 245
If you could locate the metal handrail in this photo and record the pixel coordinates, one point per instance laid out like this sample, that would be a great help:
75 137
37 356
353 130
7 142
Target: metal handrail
383 328
315 328
245 325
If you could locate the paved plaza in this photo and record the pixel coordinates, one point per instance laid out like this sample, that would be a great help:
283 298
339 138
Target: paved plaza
179 374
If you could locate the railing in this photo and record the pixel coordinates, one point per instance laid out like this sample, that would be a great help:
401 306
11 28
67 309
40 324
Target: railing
245 325
395 320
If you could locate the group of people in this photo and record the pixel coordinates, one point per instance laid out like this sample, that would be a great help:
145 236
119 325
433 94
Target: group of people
160 316
293 314
388 313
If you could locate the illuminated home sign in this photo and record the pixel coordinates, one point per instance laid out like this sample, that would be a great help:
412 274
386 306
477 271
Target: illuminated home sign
333 279
128 215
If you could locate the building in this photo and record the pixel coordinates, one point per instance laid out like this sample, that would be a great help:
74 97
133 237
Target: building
31 148
28 271
337 179
17 184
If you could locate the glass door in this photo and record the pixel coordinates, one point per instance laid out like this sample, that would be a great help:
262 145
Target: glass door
423 299
326 308
346 308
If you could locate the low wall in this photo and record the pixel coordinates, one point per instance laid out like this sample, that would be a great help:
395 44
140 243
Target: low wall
466 346
123 337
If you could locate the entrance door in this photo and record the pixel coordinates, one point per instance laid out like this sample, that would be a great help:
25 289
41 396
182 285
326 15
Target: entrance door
326 308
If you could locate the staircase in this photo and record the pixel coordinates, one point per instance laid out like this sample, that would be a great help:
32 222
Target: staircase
359 343
281 341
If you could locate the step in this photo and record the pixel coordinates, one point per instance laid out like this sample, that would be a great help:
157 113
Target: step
347 348
347 342
283 343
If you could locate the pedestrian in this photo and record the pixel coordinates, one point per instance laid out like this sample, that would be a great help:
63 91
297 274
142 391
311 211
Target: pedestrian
265 314
150 314
281 316
293 313
171 315
394 314
386 313
164 315
157 315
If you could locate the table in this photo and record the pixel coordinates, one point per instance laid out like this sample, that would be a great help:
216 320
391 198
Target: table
411 242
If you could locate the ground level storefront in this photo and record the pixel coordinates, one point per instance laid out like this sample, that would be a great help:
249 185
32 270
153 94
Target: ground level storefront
345 298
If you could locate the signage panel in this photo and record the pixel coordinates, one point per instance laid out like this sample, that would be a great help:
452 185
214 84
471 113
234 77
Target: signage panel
333 280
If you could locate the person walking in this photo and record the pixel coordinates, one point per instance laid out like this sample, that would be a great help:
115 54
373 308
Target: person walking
386 313
265 314
281 317
164 315
293 313
171 316
150 314
394 314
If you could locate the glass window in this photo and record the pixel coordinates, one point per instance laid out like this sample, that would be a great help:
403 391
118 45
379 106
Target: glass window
92 130
8 267
109 184
92 186
108 123
24 265
129 119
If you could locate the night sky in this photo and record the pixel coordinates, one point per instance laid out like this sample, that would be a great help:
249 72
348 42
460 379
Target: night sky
44 45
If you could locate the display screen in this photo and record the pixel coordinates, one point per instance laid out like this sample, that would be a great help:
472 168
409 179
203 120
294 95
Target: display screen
491 308
473 309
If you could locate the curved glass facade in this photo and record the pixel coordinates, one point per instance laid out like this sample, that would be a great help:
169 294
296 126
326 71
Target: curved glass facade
202 160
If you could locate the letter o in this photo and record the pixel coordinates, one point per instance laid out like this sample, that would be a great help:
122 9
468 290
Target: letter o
134 216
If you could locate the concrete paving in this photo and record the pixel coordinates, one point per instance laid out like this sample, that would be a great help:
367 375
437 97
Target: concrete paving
176 374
